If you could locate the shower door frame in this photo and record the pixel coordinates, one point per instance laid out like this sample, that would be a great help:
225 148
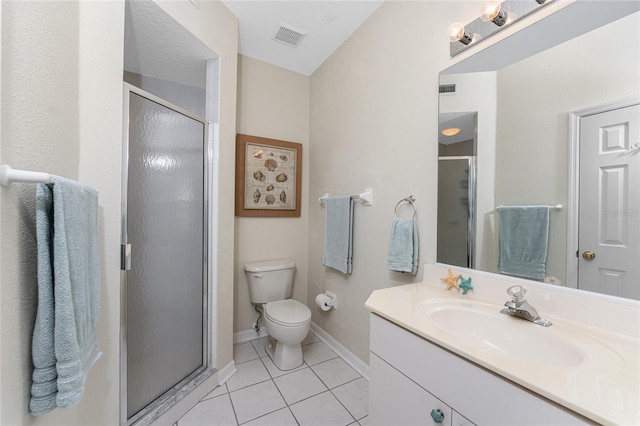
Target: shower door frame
180 389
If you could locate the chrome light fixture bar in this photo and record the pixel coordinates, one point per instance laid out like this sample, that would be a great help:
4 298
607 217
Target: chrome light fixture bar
495 16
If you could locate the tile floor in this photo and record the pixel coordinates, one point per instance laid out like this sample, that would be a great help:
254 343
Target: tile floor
325 390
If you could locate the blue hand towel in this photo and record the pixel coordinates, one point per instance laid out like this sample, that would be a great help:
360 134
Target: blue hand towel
523 241
65 345
338 234
403 246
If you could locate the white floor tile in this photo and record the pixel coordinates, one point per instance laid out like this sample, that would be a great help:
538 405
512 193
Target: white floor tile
214 411
323 409
257 400
243 352
219 390
259 344
249 373
281 417
299 385
275 371
335 372
317 352
311 338
355 397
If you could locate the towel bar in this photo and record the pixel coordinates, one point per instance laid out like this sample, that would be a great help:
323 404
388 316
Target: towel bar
9 175
366 197
556 207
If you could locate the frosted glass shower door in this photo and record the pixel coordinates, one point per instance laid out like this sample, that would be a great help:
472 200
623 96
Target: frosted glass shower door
165 224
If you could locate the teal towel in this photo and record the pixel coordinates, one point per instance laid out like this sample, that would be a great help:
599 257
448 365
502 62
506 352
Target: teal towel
403 246
64 345
338 234
523 241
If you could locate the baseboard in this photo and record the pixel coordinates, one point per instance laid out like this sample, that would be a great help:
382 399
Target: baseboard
246 335
348 356
226 372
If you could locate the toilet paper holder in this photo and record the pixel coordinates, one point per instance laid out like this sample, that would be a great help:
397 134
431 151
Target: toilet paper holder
327 300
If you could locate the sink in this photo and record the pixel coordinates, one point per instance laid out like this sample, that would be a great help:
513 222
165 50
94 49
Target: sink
482 324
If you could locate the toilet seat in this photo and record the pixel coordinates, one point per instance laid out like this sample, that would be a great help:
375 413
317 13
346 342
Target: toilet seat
287 313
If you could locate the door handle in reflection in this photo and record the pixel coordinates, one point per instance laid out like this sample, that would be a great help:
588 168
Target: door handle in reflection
589 255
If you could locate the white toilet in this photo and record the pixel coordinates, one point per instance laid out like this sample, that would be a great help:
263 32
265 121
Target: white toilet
287 320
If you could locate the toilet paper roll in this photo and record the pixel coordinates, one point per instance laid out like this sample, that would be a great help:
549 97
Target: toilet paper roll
321 301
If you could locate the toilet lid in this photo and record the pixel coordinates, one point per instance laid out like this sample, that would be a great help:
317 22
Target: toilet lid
287 312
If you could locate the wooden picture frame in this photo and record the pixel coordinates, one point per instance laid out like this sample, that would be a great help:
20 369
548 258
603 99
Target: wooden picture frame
268 177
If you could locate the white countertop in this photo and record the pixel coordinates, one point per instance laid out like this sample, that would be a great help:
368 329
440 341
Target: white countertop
599 379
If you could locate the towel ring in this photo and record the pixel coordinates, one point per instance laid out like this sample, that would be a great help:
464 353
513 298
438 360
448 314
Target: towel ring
411 200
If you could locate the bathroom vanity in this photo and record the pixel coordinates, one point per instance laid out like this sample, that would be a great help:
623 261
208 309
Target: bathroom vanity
440 356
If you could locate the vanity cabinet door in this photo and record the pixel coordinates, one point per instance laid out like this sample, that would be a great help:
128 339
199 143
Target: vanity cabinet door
458 419
396 400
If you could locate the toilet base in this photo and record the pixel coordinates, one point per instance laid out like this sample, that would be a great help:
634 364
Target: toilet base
285 357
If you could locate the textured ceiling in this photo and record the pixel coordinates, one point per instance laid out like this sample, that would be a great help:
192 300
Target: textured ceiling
157 46
328 24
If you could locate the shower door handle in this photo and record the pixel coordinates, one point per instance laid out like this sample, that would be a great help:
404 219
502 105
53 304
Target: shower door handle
125 257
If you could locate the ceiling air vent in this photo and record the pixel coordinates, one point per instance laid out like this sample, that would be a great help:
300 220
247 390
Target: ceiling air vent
447 88
289 35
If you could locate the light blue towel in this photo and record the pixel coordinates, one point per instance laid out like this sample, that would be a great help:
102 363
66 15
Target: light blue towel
338 234
64 345
403 246
523 242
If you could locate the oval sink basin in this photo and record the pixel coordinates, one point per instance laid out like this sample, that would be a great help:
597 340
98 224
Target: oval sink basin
478 324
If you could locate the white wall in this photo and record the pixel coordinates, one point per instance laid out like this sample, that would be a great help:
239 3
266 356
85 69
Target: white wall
532 153
273 103
374 121
62 113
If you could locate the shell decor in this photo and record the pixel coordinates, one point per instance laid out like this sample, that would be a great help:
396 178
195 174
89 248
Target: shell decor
271 164
258 154
256 196
270 199
283 197
270 187
259 176
283 157
282 177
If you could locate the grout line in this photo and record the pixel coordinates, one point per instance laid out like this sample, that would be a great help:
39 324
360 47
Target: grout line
233 407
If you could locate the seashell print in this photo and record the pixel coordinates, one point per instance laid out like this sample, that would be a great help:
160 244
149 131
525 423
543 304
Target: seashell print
282 177
270 199
283 197
283 157
270 187
271 164
258 154
259 176
256 196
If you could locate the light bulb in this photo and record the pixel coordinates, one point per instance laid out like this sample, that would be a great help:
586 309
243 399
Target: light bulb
492 11
457 32
452 131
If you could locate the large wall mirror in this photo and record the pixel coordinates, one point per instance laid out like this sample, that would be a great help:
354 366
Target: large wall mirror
537 130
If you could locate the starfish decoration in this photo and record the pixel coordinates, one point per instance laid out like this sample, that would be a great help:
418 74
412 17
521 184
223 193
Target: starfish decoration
465 285
451 280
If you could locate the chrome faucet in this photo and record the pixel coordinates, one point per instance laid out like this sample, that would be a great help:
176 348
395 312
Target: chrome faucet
519 307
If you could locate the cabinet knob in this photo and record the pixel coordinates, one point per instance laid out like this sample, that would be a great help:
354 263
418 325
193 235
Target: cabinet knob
437 415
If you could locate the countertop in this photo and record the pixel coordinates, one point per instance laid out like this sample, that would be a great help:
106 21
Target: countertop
602 382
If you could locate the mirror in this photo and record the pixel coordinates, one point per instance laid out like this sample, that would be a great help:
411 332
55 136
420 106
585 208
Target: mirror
525 153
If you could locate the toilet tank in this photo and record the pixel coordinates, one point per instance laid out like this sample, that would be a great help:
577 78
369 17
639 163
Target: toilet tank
270 280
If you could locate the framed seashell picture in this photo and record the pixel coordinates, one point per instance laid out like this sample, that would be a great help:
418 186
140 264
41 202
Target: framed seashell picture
268 177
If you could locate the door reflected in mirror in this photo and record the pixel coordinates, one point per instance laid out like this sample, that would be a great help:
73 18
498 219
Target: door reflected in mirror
526 155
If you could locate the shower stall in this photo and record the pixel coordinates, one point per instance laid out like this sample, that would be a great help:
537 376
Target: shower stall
164 346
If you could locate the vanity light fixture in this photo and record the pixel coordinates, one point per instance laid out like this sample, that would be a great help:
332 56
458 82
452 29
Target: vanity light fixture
492 11
495 15
452 131
457 32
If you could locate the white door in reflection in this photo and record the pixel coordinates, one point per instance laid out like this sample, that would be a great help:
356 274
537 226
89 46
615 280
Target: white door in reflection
609 223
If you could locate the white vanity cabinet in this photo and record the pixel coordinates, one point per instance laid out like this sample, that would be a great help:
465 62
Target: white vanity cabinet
410 376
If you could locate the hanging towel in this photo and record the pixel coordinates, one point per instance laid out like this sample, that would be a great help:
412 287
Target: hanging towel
64 345
403 246
338 234
523 241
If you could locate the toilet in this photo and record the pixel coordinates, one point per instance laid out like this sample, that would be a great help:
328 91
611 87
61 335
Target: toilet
287 320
